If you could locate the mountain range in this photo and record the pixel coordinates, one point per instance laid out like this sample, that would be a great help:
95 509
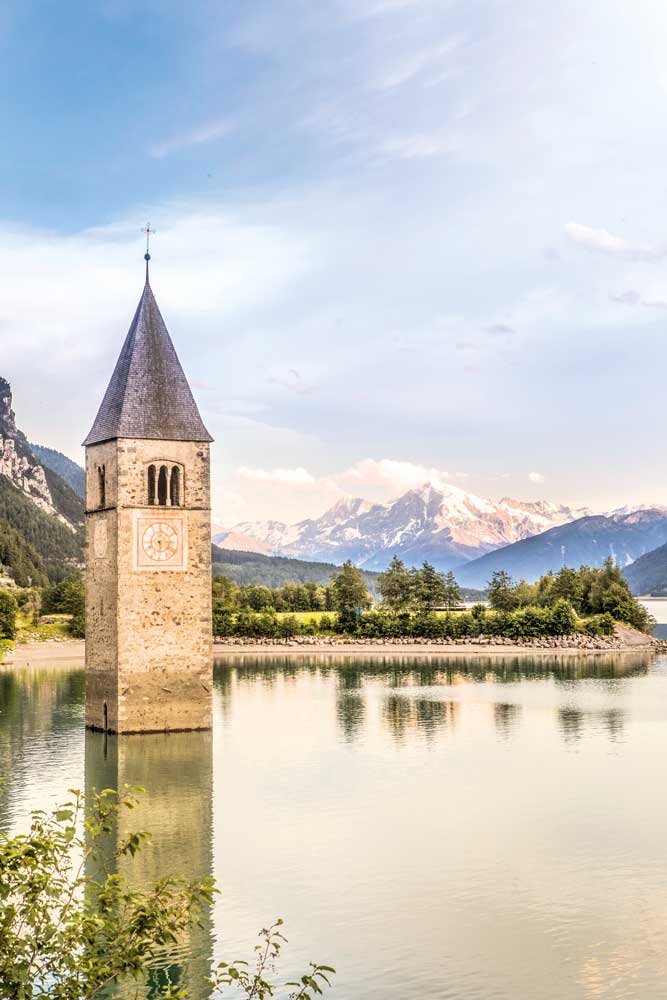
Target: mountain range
473 536
447 526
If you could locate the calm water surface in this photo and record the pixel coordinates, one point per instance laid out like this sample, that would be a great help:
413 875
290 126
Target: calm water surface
433 828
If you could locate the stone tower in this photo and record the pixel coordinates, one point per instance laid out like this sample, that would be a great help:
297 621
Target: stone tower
148 543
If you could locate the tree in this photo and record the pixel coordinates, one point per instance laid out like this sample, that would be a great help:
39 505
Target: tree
69 935
349 595
225 591
69 598
567 585
563 620
257 597
395 585
453 595
428 587
8 610
502 596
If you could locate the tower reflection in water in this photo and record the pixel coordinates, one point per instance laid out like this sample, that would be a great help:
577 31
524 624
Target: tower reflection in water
175 769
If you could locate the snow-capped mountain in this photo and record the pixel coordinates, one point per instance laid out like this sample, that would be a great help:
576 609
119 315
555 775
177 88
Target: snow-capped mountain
445 525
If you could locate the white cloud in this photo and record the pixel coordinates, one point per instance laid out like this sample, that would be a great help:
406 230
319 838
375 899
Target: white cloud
536 477
604 242
206 132
393 476
294 493
289 477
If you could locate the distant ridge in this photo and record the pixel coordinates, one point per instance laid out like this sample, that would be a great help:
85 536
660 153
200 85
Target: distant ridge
274 571
588 540
73 474
648 575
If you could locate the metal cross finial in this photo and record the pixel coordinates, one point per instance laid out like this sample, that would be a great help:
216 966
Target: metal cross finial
149 232
147 256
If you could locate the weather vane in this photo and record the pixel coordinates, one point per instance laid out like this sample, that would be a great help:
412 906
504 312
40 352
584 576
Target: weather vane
147 256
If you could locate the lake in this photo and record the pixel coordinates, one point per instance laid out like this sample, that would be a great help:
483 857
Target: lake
464 828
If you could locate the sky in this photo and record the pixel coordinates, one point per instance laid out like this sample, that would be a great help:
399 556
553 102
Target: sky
396 240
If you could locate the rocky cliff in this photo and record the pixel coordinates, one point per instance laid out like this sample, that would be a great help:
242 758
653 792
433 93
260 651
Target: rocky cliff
19 465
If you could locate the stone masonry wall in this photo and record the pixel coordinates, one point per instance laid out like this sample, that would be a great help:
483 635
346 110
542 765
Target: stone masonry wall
161 679
101 590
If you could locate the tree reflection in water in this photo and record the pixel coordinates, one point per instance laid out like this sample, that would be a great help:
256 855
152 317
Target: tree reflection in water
506 718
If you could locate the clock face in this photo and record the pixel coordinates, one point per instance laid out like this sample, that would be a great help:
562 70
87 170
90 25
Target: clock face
160 541
100 539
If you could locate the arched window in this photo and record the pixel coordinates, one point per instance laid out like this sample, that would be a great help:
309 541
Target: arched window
175 487
151 484
102 487
162 486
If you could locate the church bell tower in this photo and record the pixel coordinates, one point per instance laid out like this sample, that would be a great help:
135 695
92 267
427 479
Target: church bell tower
148 542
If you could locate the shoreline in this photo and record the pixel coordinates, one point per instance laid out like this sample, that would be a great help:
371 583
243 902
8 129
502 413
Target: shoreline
45 652
224 650
71 652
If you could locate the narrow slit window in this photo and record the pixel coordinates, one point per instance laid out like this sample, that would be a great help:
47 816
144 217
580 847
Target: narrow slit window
175 487
162 487
151 484
101 477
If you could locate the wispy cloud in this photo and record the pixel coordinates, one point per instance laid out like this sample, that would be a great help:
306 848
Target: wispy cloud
536 477
603 241
206 132
632 297
500 330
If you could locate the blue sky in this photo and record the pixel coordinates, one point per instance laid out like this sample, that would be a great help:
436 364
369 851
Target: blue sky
396 239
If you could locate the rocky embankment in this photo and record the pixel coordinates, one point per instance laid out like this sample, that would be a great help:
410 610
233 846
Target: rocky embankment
623 639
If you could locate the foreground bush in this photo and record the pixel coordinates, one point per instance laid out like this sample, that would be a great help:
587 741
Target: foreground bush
69 936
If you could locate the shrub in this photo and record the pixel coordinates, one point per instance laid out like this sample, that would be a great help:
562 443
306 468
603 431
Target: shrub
223 619
599 625
347 621
326 623
563 621
66 934
288 627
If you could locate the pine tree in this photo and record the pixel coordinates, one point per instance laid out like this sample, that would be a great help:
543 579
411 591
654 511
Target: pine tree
429 587
501 591
349 588
395 585
453 595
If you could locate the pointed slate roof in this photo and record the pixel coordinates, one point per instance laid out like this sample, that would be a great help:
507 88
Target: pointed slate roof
148 396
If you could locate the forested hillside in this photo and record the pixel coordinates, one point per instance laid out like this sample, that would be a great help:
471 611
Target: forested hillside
56 545
67 502
274 571
648 574
27 567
